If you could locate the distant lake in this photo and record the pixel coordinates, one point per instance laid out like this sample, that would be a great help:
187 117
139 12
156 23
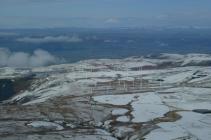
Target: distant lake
6 89
10 87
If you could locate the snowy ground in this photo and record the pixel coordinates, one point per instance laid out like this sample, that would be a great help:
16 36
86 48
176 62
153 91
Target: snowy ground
133 98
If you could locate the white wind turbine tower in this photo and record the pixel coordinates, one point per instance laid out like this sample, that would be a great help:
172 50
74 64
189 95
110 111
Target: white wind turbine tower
117 68
160 80
124 81
86 75
92 67
160 77
91 104
81 69
141 81
91 97
109 86
124 85
119 81
128 74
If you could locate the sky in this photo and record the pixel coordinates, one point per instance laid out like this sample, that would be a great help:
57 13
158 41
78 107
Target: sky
104 13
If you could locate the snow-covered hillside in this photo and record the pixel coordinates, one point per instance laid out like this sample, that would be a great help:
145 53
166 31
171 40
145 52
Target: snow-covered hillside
164 97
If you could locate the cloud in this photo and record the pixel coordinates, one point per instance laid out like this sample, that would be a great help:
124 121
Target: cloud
162 16
110 41
22 59
53 39
92 37
112 20
8 34
131 41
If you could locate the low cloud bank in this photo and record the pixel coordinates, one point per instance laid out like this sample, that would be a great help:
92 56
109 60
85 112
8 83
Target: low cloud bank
2 34
112 20
22 59
53 39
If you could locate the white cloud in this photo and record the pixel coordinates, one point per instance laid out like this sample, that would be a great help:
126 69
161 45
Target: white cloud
8 34
92 37
110 41
131 41
112 20
19 59
4 53
48 39
22 59
162 16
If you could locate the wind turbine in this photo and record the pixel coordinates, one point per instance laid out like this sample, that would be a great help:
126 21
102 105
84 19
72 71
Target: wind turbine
119 82
124 85
141 81
86 75
134 82
119 77
91 104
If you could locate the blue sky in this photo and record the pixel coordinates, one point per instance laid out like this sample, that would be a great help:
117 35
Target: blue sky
103 13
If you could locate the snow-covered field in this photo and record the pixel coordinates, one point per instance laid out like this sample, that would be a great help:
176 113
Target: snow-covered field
167 97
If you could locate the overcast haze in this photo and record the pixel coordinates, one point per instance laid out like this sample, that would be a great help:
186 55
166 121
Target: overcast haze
104 13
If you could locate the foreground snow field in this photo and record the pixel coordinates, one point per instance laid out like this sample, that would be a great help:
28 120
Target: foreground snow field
165 97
